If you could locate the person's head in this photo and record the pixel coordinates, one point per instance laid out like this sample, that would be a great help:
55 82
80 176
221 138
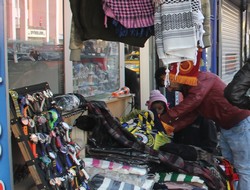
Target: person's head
160 75
157 102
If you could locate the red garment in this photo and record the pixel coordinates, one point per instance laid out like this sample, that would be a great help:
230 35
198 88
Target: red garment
208 100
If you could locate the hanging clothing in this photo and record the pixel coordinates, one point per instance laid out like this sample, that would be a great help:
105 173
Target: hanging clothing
130 18
131 14
88 23
178 30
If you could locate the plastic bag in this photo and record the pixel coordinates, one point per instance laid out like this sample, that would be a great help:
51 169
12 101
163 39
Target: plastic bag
68 102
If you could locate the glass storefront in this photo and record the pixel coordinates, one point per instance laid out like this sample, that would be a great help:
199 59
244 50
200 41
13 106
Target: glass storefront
98 71
36 51
35 43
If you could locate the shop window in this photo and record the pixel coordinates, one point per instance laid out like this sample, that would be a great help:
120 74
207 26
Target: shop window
35 43
132 72
132 58
97 74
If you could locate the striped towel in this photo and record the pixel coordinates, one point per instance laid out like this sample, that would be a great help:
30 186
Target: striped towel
114 166
178 177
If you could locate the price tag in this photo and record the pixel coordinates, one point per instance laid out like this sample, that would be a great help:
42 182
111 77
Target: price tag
2 185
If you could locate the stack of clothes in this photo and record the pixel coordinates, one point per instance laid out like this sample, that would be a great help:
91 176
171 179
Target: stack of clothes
117 158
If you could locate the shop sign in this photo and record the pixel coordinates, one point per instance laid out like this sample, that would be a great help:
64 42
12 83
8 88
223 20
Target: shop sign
35 33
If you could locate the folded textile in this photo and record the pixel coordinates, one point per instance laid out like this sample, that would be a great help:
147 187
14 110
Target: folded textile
114 166
137 180
175 163
188 152
182 186
122 155
99 182
174 177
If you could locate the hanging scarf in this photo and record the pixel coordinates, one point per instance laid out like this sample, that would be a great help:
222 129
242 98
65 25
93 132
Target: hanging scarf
131 14
178 30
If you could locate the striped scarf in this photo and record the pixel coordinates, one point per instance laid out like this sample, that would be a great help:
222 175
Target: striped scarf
178 177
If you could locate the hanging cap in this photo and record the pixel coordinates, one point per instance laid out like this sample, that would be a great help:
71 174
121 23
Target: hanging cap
185 72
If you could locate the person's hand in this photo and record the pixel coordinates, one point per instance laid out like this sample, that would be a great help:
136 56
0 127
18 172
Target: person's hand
165 118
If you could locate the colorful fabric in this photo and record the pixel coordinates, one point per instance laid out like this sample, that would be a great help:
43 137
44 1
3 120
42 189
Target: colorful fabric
178 30
131 14
142 126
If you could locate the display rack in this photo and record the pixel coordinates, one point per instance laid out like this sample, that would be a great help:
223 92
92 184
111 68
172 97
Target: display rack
38 168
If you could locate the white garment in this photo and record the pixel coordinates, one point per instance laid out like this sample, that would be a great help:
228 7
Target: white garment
178 30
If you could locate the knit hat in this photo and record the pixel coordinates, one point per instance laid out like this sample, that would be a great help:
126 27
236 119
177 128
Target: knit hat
185 72
156 95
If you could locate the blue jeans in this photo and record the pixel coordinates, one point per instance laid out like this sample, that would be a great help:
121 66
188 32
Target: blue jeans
235 147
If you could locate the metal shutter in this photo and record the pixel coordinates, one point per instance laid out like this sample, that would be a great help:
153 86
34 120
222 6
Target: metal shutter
230 41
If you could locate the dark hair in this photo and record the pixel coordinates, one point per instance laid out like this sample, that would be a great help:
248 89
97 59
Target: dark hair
158 73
